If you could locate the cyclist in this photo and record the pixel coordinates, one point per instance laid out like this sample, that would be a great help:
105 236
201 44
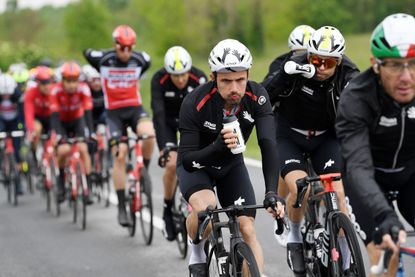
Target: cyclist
71 106
37 106
93 79
9 116
308 88
297 42
376 128
21 76
120 69
169 86
204 157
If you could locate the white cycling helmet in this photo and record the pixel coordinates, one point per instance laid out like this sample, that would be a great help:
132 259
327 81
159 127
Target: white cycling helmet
177 60
7 84
299 37
327 41
230 55
89 73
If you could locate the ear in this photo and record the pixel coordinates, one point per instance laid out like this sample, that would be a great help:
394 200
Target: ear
212 76
375 65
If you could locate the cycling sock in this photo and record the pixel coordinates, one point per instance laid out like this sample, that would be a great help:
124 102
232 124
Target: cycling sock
121 198
295 232
198 254
146 163
345 252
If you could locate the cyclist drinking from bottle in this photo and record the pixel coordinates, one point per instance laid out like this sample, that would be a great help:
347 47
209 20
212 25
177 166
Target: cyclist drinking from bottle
205 159
308 88
169 86
376 128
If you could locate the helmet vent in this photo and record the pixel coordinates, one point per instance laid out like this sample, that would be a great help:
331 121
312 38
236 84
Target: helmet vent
385 42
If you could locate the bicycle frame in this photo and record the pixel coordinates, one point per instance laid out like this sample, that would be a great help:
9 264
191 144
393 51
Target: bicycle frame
48 158
73 162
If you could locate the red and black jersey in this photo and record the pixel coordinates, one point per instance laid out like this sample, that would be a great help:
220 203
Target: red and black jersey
166 100
119 80
35 104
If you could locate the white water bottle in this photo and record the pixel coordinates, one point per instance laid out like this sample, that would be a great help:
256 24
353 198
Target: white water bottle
232 123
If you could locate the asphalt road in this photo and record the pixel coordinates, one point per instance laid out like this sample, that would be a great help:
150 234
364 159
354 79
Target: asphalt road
35 243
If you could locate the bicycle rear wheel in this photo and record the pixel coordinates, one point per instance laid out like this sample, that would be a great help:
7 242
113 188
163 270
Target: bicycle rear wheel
342 225
245 261
179 220
146 211
131 213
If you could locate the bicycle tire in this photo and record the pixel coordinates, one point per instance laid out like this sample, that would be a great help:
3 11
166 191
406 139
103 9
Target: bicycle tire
56 209
342 222
13 179
179 221
6 177
213 269
81 195
131 214
245 259
105 176
146 211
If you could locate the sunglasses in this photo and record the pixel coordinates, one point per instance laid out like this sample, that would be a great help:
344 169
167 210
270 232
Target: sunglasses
124 48
327 62
395 67
70 80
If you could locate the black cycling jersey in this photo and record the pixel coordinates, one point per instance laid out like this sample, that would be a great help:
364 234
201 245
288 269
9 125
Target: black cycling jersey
302 100
201 117
98 108
376 133
166 100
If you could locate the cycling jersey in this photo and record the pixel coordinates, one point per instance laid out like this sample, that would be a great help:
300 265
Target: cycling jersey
200 123
36 104
166 100
376 134
119 80
98 109
301 98
9 109
276 63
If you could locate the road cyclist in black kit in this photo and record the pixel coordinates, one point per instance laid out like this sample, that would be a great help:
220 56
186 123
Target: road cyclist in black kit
205 157
308 88
376 129
169 86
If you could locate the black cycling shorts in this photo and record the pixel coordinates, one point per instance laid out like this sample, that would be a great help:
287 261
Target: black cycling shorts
45 122
232 184
403 181
74 129
171 134
323 150
119 119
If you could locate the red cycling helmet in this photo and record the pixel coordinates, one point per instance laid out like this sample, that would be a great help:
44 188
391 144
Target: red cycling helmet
70 70
43 74
124 35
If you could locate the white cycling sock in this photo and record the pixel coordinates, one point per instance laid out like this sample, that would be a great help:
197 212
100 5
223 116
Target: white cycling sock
345 252
198 254
295 232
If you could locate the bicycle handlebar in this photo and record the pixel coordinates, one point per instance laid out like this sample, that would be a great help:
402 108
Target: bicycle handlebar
382 265
163 159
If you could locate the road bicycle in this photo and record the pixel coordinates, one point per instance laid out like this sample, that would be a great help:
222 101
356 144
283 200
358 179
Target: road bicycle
48 173
180 208
76 183
138 195
100 171
10 173
383 264
238 257
322 253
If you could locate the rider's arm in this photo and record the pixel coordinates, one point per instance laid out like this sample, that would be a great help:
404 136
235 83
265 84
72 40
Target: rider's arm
355 116
87 106
145 62
29 109
159 116
93 57
55 122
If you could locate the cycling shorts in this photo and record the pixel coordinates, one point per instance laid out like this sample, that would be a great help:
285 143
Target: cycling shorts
119 119
399 181
45 122
323 150
232 184
171 134
76 128
9 126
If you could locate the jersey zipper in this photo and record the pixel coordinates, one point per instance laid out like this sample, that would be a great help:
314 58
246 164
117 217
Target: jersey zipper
395 158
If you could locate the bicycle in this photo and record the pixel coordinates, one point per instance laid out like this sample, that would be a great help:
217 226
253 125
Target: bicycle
322 256
9 164
48 173
76 183
383 264
221 261
138 199
100 174
180 208
28 165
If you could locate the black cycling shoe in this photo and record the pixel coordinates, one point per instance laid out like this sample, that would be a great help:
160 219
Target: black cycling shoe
198 270
122 217
169 230
295 258
348 273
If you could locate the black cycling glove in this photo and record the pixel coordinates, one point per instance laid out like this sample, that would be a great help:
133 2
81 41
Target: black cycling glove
388 223
271 198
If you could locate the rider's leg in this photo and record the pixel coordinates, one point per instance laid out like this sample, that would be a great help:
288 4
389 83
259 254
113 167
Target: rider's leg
120 177
249 235
145 127
86 158
63 151
169 182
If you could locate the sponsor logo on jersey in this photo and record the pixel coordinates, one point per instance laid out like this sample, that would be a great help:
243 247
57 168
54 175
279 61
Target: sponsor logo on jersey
388 122
210 125
248 116
169 93
292 161
411 112
307 90
262 100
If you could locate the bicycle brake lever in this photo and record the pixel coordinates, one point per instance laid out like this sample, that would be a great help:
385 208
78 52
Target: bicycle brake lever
301 190
280 226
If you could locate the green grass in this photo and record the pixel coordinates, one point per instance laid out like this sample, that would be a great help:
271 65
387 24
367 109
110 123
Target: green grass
357 49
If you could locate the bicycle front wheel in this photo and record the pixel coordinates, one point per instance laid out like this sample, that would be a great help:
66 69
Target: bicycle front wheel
179 221
81 196
146 211
212 262
343 228
245 263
